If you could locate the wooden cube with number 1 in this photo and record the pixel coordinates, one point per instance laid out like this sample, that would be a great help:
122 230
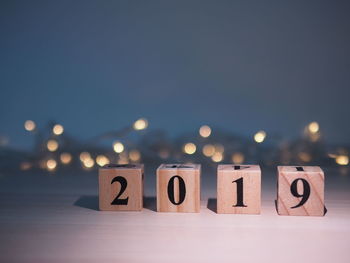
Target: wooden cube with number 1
300 191
178 188
238 189
121 187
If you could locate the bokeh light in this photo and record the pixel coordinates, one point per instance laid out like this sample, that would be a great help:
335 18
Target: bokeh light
237 158
51 164
217 157
118 147
134 155
65 158
208 150
189 148
313 127
260 136
205 131
58 129
342 160
140 124
29 125
52 145
102 160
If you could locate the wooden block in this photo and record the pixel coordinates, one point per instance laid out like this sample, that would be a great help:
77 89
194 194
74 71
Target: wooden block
300 191
238 189
178 188
121 187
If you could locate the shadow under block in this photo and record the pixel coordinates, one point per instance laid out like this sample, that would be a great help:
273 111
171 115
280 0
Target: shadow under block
121 187
178 188
300 191
238 189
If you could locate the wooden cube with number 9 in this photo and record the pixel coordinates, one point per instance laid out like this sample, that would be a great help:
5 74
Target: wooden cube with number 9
238 189
178 188
300 191
121 187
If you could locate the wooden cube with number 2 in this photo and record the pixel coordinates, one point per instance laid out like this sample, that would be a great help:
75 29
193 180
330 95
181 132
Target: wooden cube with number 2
121 187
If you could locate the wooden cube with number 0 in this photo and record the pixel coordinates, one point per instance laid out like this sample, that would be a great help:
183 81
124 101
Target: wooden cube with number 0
238 189
300 191
121 187
178 188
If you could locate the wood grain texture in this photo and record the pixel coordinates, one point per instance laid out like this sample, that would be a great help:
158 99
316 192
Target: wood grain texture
314 206
227 190
108 191
191 175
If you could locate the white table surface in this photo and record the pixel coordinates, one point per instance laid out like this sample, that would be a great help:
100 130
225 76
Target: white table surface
54 218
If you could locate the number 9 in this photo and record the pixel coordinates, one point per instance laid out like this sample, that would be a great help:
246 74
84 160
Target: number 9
306 191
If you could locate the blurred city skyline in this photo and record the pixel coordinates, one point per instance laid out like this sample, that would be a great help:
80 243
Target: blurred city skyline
97 66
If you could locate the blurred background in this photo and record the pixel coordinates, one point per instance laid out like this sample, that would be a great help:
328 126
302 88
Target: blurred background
86 83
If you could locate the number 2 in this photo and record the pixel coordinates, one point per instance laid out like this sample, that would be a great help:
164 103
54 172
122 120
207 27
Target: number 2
123 183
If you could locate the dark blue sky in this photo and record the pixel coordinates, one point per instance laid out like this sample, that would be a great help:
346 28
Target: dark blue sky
243 66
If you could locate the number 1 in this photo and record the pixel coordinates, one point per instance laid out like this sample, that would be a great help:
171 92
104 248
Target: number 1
239 193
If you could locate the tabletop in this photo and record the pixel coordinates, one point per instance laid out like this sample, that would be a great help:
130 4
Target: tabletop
55 218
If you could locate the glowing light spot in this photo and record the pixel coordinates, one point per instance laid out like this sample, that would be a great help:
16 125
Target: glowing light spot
305 157
29 125
134 155
51 164
52 145
189 148
25 166
238 158
260 136
205 131
118 147
89 163
102 160
208 150
84 156
164 154
219 148
58 129
342 160
65 158
140 124
313 127
217 157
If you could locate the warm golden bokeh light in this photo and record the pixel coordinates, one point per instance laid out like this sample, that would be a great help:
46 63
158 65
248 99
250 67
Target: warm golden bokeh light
102 160
342 160
51 164
164 154
65 158
134 155
25 166
118 147
217 157
58 129
205 131
238 158
305 157
52 145
208 150
84 156
89 163
29 125
260 136
219 148
189 148
313 127
140 124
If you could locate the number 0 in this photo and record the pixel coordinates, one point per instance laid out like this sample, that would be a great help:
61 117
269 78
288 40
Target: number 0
182 190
